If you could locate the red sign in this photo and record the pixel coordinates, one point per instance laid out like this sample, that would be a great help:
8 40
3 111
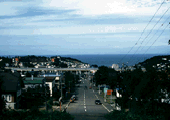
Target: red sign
109 92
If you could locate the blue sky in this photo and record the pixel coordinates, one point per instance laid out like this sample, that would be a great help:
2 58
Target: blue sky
45 27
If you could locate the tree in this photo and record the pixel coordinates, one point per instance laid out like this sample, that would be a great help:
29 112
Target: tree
34 97
69 81
107 76
56 62
63 65
101 76
95 66
2 101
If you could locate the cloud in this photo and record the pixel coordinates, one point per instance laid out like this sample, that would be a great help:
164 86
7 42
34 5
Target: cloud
96 7
82 25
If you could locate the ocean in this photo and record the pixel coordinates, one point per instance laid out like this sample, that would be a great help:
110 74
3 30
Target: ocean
106 59
109 59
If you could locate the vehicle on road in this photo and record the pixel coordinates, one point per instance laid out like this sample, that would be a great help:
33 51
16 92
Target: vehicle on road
90 87
71 100
98 102
74 97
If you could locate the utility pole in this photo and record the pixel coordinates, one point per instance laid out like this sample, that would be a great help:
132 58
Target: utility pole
61 86
46 98
45 94
69 86
99 89
92 82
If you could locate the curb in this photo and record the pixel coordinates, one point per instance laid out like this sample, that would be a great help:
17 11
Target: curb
66 107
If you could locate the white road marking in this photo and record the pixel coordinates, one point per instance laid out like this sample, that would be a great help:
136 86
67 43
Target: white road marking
106 108
96 97
103 105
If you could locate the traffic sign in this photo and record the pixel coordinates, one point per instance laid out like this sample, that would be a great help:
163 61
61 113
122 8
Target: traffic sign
105 90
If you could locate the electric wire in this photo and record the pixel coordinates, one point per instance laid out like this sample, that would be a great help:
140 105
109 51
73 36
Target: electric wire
142 31
148 35
153 36
155 40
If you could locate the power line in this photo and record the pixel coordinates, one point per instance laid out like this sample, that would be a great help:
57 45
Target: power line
155 33
148 34
143 31
156 39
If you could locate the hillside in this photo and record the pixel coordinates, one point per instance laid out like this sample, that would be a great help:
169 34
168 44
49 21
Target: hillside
156 61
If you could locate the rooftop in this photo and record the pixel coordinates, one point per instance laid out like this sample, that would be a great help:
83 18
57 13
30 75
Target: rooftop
36 80
10 82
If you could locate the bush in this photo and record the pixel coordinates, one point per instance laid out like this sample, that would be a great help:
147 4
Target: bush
120 115
50 102
31 115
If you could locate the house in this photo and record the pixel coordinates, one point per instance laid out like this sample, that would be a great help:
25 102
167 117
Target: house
117 90
11 90
32 82
57 77
50 82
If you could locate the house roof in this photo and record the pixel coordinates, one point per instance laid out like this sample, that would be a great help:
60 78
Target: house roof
33 82
49 79
10 82
36 80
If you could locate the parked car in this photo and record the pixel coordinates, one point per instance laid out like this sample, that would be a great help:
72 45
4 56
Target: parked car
74 97
71 100
98 102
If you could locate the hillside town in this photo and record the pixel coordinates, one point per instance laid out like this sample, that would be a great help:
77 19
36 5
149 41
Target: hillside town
128 88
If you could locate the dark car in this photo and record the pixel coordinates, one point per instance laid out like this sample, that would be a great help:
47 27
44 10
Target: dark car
98 102
71 100
75 97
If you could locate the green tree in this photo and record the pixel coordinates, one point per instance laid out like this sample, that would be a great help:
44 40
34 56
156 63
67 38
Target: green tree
69 81
2 101
63 65
101 76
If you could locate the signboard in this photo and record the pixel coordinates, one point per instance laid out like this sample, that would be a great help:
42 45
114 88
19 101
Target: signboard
105 90
109 92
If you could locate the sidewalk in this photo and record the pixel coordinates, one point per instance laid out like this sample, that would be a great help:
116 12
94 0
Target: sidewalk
109 107
63 106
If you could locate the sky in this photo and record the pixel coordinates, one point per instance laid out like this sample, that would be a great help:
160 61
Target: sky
68 27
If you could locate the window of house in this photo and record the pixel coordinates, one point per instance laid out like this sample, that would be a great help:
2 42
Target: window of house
4 97
9 98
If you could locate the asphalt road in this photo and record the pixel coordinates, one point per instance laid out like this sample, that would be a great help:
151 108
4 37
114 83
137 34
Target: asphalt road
85 108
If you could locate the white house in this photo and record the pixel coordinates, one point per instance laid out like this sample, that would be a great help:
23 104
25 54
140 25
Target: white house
50 81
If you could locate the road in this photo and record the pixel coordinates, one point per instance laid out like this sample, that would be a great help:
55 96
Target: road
84 108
